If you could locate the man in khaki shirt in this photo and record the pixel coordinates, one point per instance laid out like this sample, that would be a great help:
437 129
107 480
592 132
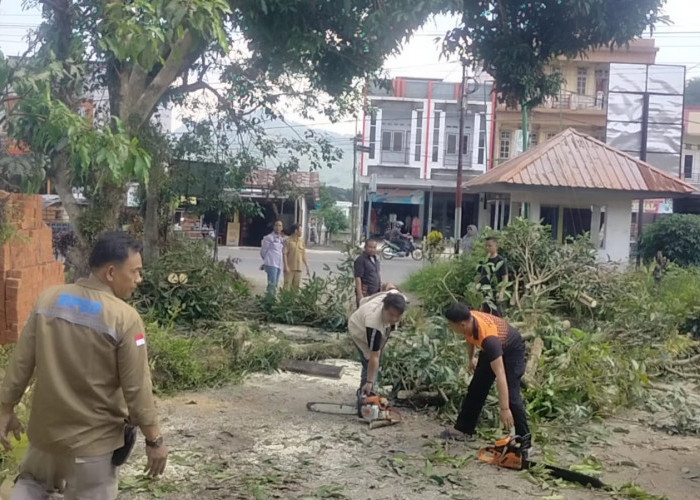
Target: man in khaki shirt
294 258
86 349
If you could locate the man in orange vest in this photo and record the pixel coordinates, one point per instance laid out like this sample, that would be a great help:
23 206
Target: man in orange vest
501 358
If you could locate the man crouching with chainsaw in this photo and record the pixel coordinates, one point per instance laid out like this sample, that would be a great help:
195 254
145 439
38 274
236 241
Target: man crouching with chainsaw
370 326
502 358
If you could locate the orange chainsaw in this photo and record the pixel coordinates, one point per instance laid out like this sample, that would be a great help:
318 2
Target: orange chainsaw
512 453
373 409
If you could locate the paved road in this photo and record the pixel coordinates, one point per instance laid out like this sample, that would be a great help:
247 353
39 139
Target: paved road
394 271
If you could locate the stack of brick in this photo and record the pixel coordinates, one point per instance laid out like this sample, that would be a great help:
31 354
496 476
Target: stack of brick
27 264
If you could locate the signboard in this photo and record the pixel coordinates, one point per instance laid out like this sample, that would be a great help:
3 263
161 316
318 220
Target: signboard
399 196
655 206
647 96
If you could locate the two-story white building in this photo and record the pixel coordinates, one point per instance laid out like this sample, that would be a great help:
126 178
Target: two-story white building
410 134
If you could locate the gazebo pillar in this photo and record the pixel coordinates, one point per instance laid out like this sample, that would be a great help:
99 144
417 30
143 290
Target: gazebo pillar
595 225
535 209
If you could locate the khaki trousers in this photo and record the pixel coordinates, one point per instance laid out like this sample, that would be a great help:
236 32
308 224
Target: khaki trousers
292 279
89 478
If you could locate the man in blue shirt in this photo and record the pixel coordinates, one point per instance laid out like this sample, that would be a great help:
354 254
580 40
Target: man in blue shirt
271 253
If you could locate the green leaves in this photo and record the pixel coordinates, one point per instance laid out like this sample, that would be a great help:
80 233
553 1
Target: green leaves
144 32
516 41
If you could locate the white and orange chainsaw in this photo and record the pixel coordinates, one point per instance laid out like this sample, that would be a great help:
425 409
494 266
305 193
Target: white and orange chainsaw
373 409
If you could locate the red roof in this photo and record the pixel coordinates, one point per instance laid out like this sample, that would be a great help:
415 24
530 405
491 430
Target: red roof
574 160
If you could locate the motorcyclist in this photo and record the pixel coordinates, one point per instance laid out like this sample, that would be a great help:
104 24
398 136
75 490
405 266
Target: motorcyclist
396 237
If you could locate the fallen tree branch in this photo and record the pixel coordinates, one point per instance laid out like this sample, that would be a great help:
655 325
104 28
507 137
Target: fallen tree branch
533 360
694 376
687 361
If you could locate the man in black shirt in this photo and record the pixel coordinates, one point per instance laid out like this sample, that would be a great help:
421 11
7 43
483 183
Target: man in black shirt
494 273
367 278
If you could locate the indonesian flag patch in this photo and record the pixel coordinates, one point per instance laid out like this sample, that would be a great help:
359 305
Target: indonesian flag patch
140 339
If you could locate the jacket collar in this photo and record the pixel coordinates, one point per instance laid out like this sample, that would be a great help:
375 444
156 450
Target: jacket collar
94 284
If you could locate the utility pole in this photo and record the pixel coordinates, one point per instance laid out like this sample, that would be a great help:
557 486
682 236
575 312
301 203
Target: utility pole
463 103
643 157
353 216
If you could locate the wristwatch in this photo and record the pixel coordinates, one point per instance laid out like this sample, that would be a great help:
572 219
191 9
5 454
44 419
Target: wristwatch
157 443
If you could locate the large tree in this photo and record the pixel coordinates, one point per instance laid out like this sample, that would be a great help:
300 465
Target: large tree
247 55
252 55
692 92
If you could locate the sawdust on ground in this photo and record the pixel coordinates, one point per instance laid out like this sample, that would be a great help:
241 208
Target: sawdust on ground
257 441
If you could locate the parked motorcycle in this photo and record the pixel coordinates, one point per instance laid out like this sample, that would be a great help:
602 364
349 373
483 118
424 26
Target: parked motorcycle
391 250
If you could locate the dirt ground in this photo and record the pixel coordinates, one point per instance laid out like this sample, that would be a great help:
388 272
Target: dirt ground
257 441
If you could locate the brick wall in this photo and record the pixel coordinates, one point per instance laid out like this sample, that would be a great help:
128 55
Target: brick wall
27 264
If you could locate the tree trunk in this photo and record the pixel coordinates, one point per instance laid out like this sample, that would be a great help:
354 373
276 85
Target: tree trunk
102 213
151 226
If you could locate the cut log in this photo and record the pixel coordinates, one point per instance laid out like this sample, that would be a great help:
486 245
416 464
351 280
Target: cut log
311 368
533 360
377 424
334 349
587 300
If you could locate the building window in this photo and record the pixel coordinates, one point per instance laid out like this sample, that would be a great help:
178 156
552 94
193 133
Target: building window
581 80
398 142
532 140
386 141
436 136
504 148
465 144
549 135
688 167
451 144
372 135
419 135
482 141
601 80
392 141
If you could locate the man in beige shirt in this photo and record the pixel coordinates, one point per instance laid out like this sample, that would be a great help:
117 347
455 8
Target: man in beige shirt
86 349
294 258
370 327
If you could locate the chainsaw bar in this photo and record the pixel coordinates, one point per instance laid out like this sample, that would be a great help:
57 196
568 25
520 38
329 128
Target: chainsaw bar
568 475
332 408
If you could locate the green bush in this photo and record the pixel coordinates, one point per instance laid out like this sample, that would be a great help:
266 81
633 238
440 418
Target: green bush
441 283
646 310
211 356
320 302
676 237
185 284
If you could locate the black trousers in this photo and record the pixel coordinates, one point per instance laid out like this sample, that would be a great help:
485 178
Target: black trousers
473 403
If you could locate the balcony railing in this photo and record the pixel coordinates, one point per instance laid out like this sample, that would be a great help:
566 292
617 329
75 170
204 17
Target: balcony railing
394 157
570 102
403 157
